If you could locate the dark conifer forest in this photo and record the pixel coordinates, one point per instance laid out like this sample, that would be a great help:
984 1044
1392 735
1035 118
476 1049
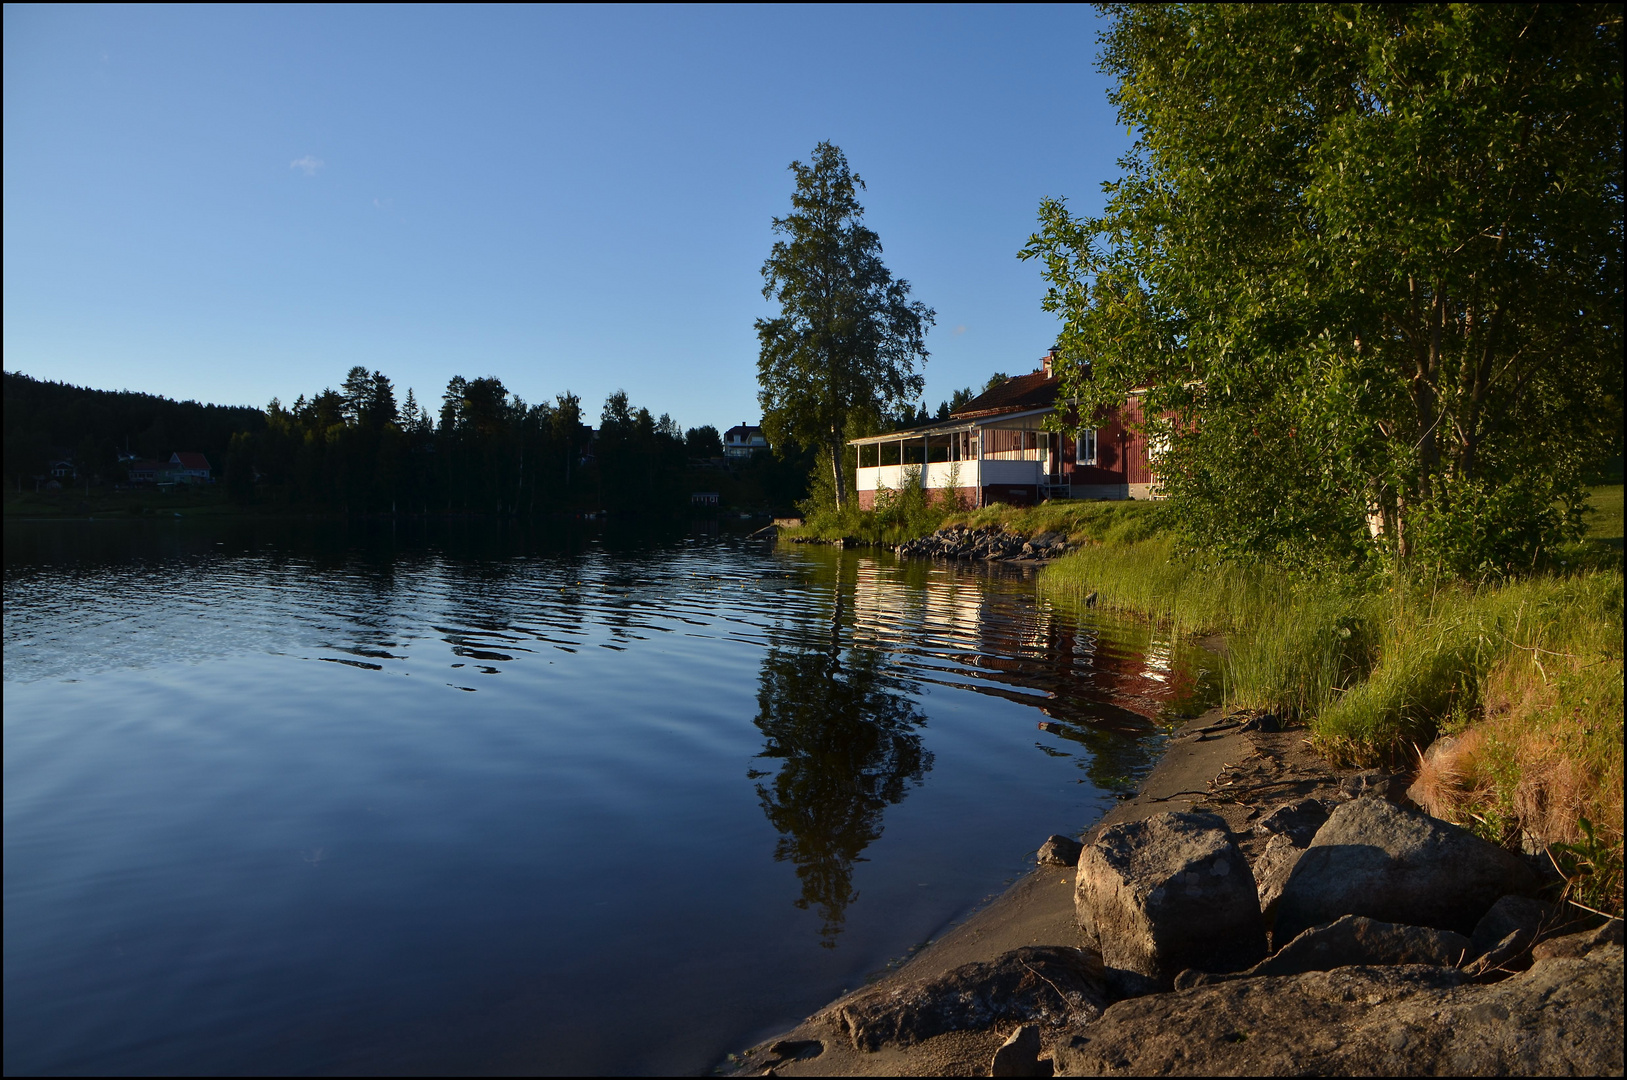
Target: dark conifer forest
359 449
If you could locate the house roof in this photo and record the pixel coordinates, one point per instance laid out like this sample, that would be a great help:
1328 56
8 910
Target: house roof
1031 393
745 431
1020 394
189 460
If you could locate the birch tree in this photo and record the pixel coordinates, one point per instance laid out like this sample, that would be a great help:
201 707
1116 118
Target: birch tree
848 342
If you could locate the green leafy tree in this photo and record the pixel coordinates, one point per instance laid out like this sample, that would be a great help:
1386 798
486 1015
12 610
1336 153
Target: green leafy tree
703 442
848 339
1365 260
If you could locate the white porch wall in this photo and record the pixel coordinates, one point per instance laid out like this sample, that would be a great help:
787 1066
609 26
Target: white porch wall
939 473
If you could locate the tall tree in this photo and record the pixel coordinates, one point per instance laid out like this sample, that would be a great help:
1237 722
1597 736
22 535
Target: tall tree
848 339
1367 258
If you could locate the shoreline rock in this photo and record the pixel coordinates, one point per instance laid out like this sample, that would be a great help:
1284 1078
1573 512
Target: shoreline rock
988 543
1167 893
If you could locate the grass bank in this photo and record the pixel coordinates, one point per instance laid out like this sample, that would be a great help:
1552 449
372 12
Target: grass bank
903 518
1522 678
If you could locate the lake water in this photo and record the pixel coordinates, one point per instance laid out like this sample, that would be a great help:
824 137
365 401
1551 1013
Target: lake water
464 798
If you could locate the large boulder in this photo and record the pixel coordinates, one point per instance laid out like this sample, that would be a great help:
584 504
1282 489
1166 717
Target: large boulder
1169 893
1376 859
1039 983
1563 1017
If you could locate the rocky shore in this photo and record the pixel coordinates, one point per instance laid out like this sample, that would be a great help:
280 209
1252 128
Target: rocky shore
1253 911
989 543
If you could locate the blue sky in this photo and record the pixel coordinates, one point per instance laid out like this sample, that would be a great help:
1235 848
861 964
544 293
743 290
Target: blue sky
229 204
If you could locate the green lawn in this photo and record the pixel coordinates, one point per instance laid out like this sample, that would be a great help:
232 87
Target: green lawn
1604 514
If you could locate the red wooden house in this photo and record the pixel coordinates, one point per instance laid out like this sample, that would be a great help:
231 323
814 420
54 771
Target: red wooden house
995 448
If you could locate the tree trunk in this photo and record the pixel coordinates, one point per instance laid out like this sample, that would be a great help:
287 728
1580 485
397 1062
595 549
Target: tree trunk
839 473
1425 403
1403 547
1477 394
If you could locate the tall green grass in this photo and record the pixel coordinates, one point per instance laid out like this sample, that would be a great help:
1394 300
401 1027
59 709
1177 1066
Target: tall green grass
1436 647
1291 645
1376 670
1528 673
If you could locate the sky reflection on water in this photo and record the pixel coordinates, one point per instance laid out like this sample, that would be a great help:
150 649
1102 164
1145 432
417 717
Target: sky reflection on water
318 799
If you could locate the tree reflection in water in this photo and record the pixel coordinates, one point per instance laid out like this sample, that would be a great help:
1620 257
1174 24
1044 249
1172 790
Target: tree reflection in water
844 728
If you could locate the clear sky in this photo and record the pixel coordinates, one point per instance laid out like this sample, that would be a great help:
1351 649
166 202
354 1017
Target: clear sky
229 204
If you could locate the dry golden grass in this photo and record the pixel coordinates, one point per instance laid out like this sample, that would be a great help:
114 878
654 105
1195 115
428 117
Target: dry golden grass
1542 766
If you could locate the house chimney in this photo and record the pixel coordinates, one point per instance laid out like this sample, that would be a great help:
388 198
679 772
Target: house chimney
1045 363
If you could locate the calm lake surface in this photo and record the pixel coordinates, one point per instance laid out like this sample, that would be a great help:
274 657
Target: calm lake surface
452 798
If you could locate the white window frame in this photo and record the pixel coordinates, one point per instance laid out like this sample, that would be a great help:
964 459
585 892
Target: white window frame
1084 447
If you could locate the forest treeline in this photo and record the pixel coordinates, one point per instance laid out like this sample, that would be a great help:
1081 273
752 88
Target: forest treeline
51 421
359 449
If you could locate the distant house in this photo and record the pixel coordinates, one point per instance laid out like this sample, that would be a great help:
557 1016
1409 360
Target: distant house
183 467
147 471
63 470
995 448
189 468
743 440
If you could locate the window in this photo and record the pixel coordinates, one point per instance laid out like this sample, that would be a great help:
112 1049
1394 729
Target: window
1084 447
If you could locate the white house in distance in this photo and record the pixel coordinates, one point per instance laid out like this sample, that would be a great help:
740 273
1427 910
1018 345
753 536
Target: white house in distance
995 448
743 440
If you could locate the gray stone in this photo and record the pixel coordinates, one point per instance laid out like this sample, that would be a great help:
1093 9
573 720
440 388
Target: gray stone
1579 944
1563 1017
1122 984
1019 1055
1382 785
1038 983
1503 958
795 1050
1355 939
1168 893
1297 821
1351 941
1517 915
1376 859
1060 851
1272 868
